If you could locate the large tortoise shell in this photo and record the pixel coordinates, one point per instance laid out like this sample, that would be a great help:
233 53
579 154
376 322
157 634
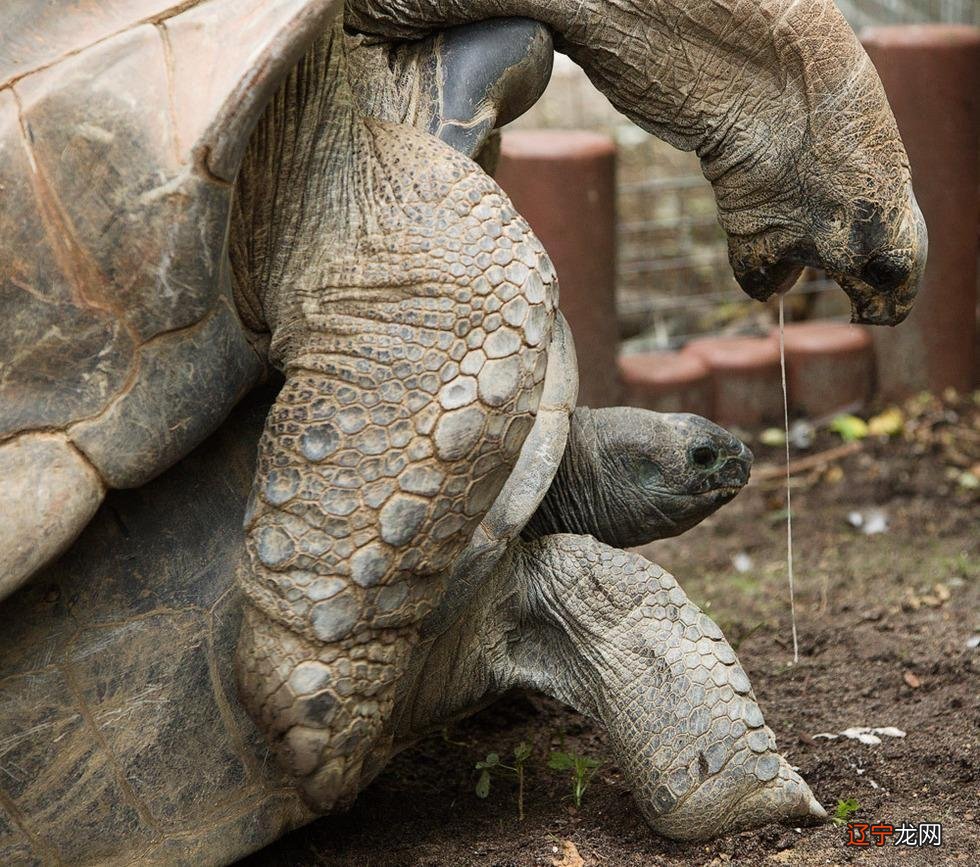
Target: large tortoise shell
121 128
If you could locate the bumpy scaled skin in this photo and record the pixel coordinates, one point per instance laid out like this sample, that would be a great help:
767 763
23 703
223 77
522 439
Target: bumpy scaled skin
410 311
778 99
122 128
383 587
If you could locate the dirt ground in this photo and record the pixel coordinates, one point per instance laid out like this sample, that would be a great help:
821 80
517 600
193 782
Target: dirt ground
885 623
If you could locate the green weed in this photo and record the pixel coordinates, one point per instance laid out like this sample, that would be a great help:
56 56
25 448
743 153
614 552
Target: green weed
492 765
845 810
582 770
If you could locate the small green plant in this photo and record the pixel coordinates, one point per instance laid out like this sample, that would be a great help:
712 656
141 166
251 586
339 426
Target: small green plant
492 764
849 428
845 810
582 769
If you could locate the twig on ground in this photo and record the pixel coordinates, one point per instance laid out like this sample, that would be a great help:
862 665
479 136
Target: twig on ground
770 472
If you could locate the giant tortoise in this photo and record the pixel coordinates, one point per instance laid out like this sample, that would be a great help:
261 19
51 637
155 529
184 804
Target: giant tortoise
194 191
121 738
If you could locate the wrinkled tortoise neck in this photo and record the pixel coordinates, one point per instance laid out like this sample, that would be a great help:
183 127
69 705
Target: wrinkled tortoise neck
779 101
662 63
576 501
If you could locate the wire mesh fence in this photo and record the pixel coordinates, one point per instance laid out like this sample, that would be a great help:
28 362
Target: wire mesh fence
865 13
673 276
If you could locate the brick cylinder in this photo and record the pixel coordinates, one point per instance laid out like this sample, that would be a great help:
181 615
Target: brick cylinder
829 366
564 183
667 382
745 379
931 74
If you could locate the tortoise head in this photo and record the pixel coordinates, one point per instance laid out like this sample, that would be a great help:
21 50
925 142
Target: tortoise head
630 476
667 472
782 106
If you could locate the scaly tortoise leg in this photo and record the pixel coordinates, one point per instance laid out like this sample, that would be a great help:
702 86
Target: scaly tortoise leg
613 635
414 364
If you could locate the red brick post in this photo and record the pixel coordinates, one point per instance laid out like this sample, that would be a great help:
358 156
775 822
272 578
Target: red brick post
931 74
829 366
667 382
564 183
745 379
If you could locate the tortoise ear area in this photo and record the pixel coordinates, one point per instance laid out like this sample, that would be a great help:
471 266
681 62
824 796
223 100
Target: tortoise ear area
226 59
648 473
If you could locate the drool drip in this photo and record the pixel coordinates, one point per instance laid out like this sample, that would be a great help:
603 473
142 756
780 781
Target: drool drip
789 504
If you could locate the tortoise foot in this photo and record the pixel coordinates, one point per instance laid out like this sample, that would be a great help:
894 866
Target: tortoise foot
616 637
321 707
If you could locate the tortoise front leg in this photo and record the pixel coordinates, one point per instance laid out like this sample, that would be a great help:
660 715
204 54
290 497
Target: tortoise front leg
614 636
415 356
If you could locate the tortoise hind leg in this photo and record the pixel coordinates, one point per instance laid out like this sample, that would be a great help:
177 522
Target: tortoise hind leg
323 707
50 493
359 507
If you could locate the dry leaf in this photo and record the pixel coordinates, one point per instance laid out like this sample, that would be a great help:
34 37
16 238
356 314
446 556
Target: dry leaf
569 856
940 594
912 679
833 475
911 602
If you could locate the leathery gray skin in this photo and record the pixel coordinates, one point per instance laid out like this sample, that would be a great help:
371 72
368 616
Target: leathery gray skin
649 475
436 298
614 636
412 313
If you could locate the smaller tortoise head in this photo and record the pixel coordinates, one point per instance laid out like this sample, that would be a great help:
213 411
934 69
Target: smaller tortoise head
664 473
630 476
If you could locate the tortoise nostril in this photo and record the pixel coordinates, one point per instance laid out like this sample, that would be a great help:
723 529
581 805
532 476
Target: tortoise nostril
704 456
886 271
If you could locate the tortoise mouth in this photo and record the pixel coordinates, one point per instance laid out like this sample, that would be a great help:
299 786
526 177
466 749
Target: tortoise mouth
874 305
763 281
717 497
733 474
725 491
876 254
